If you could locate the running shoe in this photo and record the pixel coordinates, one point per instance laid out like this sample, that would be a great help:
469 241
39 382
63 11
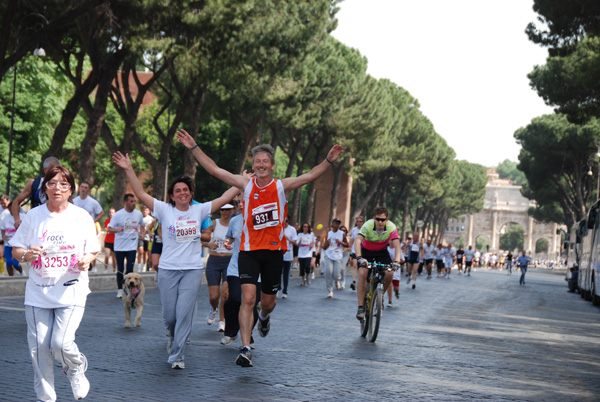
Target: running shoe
390 304
119 293
178 365
226 340
360 313
414 285
408 280
211 316
353 286
284 296
264 326
330 294
244 359
428 276
397 293
79 383
221 326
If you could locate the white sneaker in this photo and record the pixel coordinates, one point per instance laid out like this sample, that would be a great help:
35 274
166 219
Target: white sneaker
312 276
408 280
284 296
330 294
178 365
221 326
211 316
79 383
120 293
226 340
80 386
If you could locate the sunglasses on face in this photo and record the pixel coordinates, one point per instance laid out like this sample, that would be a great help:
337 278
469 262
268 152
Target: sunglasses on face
381 219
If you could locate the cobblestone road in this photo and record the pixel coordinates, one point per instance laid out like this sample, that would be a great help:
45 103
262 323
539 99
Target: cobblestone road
468 338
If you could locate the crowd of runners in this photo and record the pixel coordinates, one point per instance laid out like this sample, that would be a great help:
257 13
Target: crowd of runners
251 251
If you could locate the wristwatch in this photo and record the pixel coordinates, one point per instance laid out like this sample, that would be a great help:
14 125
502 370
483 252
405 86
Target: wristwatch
23 256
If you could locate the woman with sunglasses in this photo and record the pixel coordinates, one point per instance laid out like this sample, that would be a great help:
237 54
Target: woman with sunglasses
59 240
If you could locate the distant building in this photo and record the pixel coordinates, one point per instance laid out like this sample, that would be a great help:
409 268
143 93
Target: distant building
503 206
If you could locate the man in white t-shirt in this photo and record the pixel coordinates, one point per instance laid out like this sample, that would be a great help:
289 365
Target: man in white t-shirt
469 257
127 225
291 236
148 225
334 251
85 201
91 206
353 234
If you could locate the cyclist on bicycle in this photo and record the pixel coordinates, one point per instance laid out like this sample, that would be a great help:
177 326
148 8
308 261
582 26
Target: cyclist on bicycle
371 246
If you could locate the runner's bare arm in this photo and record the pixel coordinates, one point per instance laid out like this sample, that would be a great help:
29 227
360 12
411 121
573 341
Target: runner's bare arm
358 245
16 203
99 216
124 163
208 164
397 250
226 197
292 183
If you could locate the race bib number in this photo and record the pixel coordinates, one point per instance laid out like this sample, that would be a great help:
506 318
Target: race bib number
187 230
265 216
130 227
55 263
414 247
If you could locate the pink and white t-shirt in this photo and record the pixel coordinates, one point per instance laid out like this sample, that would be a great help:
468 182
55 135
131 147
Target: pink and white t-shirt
54 279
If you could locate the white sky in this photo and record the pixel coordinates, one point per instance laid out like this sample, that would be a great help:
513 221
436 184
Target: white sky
466 61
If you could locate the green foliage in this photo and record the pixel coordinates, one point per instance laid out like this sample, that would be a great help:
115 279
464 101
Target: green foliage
41 94
513 238
554 158
508 169
541 246
482 243
572 82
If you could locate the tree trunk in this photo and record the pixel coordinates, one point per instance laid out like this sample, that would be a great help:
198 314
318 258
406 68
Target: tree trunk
107 73
250 131
405 215
61 131
337 178
189 161
310 203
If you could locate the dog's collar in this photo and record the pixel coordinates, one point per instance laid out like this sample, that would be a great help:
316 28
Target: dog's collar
134 297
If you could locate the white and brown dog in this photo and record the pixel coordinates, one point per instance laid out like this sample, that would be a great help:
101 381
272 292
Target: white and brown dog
133 297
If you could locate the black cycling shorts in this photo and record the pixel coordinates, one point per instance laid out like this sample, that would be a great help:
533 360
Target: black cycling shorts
266 263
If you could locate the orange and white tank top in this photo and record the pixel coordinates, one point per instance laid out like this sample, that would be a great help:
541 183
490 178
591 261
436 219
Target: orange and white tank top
265 209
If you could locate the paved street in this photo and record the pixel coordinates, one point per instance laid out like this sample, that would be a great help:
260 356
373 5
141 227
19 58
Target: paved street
468 338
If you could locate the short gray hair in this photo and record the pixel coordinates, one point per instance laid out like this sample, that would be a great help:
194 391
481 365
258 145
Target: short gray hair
50 161
264 148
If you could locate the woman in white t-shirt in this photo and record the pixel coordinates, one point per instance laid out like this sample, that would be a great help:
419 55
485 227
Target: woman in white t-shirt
59 240
180 267
306 241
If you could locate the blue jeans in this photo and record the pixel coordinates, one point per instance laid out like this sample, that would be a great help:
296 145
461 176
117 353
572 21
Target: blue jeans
287 265
509 266
120 256
523 272
232 306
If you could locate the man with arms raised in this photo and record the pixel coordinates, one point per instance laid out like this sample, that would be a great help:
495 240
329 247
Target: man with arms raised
371 246
262 242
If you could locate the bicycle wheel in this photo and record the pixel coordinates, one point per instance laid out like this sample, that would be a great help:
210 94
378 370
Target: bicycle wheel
375 314
364 324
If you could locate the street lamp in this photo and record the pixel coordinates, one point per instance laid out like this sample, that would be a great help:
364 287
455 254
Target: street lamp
39 51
